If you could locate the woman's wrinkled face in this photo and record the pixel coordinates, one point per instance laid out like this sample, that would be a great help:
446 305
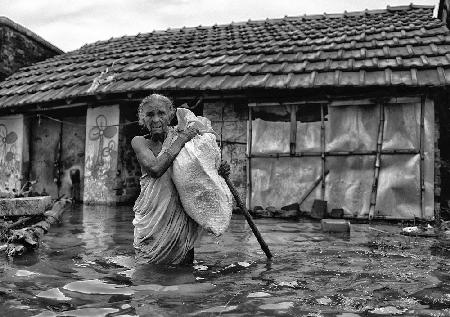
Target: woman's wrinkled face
156 117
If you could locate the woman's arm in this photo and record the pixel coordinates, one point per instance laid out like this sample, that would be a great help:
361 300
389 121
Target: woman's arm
157 166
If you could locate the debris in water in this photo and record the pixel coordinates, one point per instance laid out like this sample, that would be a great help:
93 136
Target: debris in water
193 289
258 295
414 229
128 273
278 306
97 287
53 293
388 310
244 264
22 273
419 231
293 284
324 301
92 312
200 267
217 309
122 260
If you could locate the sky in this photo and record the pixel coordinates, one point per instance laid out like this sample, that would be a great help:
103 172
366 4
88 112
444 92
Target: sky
70 24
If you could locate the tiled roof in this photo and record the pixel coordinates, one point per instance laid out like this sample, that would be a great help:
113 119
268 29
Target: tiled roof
397 46
19 28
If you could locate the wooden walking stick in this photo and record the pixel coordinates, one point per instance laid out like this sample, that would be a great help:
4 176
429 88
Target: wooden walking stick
249 218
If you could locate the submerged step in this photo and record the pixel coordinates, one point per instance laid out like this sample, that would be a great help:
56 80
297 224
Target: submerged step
24 206
335 225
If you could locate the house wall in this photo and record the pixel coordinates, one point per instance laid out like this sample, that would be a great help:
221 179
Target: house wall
100 170
229 121
442 165
127 185
12 158
443 11
72 156
18 50
437 164
351 130
45 138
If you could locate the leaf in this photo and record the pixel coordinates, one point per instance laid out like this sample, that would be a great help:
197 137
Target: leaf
101 121
3 131
9 156
11 138
94 134
110 131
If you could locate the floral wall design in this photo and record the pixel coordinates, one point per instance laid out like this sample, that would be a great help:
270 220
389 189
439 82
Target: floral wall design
101 154
11 141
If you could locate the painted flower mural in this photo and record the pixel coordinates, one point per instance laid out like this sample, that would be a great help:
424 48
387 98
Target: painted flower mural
9 161
101 155
7 139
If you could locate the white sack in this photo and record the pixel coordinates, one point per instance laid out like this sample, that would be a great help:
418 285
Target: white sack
204 194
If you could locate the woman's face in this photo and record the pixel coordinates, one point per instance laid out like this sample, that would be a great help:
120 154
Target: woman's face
156 117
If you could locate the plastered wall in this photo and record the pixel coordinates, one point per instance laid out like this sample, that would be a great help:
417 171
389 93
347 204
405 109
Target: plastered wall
12 129
100 170
229 120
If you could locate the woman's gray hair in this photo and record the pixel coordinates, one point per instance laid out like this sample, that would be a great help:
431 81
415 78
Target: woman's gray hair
153 99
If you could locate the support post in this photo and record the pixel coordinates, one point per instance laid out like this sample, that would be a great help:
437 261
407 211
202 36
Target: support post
322 149
422 156
293 138
249 157
373 196
221 130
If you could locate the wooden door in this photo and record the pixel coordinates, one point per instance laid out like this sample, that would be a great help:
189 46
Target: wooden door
56 151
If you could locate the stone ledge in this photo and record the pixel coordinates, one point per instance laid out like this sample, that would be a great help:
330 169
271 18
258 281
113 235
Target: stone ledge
25 206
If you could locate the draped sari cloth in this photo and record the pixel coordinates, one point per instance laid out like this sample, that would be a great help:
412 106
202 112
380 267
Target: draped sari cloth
163 232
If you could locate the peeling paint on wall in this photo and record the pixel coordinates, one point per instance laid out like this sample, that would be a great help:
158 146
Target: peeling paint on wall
101 154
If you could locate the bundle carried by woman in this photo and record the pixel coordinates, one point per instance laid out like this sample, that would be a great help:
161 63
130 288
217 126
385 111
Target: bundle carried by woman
204 195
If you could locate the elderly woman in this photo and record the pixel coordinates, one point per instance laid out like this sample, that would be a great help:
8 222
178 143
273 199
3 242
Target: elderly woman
163 232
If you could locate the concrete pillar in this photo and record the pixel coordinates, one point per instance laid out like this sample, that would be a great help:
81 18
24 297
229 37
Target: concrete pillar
14 156
100 168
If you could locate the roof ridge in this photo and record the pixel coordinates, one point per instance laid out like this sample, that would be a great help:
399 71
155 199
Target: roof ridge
305 16
21 29
324 15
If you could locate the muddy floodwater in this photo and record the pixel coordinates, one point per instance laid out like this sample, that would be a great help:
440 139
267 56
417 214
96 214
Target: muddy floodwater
85 267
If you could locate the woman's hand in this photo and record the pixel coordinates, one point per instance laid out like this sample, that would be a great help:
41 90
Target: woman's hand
224 169
190 132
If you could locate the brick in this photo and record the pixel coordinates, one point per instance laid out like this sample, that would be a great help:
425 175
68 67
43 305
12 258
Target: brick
319 209
337 213
24 206
335 225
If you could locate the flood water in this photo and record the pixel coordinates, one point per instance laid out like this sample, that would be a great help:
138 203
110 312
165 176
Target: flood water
85 267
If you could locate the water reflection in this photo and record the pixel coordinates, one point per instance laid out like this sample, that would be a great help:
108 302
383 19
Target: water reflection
86 266
162 275
98 227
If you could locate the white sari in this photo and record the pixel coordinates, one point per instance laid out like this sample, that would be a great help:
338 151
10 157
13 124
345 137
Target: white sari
163 232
